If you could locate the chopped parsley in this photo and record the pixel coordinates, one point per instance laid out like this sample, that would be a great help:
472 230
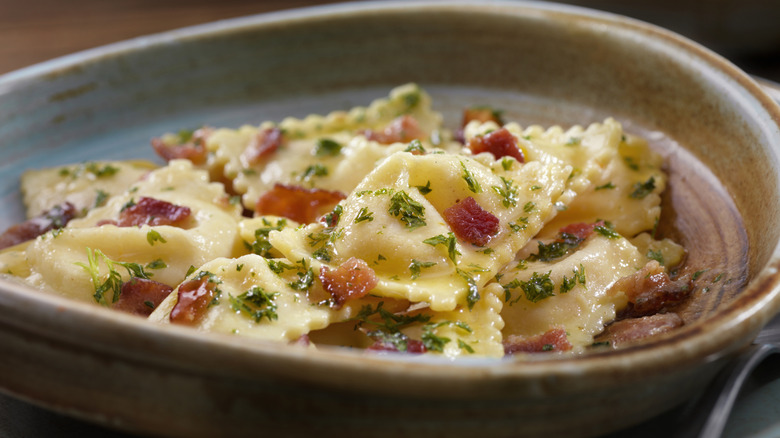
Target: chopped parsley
256 303
607 231
655 255
507 162
508 192
606 186
364 215
472 291
407 210
529 206
314 170
415 146
113 282
305 278
261 246
417 265
326 147
154 236
100 198
472 183
424 190
643 189
538 287
449 241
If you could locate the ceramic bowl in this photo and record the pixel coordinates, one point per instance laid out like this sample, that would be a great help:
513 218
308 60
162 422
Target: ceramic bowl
541 63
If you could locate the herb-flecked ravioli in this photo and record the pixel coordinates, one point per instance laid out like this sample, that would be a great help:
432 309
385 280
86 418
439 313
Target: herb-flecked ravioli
572 292
283 314
393 221
376 228
56 260
328 152
85 185
620 177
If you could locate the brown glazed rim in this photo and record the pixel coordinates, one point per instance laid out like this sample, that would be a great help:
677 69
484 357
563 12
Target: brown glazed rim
179 349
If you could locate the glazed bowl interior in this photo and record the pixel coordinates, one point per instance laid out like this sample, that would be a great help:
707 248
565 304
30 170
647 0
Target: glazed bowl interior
540 63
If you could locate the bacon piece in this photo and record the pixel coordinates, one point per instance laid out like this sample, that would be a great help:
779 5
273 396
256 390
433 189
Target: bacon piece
265 143
552 340
482 115
628 330
140 296
297 203
650 290
500 143
352 279
54 218
195 296
152 212
470 222
402 129
193 150
413 346
581 230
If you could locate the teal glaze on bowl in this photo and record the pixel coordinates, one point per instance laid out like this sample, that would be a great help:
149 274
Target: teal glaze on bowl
542 63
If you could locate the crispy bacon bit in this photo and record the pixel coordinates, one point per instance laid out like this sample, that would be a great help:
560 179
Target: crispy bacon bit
403 129
413 346
352 279
633 329
580 230
265 143
500 143
297 203
54 218
552 340
650 290
152 212
195 296
194 149
482 115
140 296
470 222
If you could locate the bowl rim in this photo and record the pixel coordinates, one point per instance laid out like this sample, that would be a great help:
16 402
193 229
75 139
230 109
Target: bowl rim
706 341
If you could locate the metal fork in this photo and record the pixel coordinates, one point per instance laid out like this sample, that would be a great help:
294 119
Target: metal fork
711 412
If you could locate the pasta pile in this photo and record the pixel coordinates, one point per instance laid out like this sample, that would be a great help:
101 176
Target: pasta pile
374 228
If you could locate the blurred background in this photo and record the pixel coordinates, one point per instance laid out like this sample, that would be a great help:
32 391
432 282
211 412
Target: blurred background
747 32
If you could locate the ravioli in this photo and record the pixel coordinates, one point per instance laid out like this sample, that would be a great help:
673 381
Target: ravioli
376 228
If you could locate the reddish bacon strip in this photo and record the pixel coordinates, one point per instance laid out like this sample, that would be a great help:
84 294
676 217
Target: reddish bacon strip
352 279
195 296
152 212
551 340
580 231
628 330
56 217
193 150
650 290
470 222
403 129
500 143
140 296
413 346
265 143
297 203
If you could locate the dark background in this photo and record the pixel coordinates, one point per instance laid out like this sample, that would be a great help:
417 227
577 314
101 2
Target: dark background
747 32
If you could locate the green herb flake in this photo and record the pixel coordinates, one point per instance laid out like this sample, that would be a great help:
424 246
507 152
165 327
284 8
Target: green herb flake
415 146
314 170
507 163
574 141
606 186
424 190
153 236
256 303
326 147
100 198
606 231
529 207
471 182
416 266
643 189
407 210
508 192
156 264
472 291
698 274
448 242
464 346
364 215
538 287
655 255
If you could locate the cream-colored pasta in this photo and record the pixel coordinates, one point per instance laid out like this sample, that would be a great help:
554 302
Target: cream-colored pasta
286 314
85 185
395 265
57 260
